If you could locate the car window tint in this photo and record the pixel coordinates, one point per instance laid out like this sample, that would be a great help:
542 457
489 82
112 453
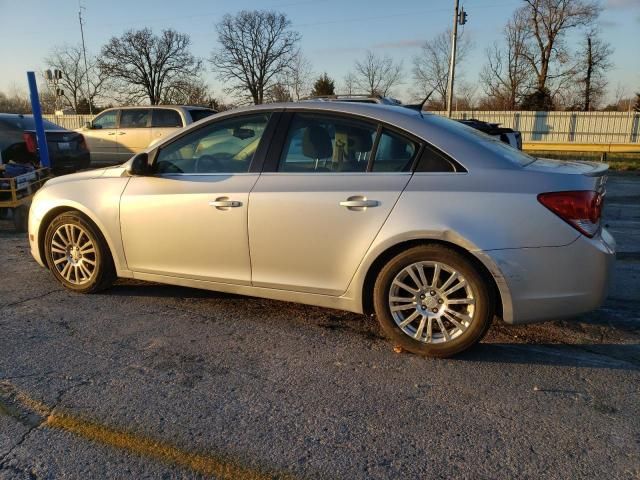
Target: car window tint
134 118
162 117
225 146
395 153
324 143
433 160
199 114
106 120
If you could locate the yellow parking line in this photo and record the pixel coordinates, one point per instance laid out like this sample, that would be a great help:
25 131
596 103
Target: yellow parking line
18 405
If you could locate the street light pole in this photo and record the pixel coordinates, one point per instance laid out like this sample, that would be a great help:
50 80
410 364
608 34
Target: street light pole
452 63
84 53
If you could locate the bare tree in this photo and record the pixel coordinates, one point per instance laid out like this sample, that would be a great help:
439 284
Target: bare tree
349 83
68 59
255 47
548 23
507 75
297 77
377 75
144 64
189 91
278 92
431 65
15 101
594 61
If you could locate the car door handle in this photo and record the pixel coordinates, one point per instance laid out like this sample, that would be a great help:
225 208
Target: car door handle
111 133
218 203
353 203
122 133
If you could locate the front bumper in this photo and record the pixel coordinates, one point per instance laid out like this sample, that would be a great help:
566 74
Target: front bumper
551 283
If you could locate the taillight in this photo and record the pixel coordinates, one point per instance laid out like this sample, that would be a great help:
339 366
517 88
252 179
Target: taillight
580 209
82 143
30 141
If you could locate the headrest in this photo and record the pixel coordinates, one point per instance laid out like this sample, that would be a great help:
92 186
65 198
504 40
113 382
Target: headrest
316 143
359 140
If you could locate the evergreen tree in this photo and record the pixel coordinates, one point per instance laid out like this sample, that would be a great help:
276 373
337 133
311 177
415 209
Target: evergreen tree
324 85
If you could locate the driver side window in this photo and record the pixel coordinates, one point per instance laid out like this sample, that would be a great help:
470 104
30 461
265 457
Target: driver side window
225 146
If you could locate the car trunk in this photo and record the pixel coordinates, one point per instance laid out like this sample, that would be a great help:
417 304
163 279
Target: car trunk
62 142
596 171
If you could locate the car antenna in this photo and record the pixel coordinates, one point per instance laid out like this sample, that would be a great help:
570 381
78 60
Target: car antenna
418 106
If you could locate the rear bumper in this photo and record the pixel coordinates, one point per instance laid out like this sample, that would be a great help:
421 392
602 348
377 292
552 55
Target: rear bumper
551 283
70 162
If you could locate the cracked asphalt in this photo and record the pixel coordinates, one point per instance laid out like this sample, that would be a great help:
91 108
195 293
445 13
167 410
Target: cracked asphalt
152 381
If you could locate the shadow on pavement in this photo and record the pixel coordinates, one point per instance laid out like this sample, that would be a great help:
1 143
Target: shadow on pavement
615 356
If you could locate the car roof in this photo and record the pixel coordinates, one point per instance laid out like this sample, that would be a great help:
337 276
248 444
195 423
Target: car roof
175 107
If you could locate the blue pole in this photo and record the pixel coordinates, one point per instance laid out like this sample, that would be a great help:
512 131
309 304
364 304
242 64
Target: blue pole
43 150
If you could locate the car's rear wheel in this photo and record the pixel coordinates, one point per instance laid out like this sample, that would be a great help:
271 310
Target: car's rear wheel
432 301
77 254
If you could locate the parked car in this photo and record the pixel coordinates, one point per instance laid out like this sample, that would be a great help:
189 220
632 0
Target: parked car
424 221
68 150
117 133
505 134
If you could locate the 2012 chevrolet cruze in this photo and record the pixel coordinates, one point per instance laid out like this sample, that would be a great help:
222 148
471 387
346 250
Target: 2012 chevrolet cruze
431 225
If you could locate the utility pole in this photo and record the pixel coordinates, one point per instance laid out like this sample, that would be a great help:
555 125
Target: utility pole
84 53
459 17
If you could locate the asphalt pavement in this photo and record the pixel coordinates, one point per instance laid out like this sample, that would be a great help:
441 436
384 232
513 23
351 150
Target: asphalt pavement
152 381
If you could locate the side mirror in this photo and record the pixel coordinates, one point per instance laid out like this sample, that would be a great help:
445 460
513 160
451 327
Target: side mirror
88 125
140 164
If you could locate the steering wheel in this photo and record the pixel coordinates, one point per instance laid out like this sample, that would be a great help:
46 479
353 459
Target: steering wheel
208 163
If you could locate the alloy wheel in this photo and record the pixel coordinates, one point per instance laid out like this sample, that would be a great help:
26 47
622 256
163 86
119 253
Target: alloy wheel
431 302
73 254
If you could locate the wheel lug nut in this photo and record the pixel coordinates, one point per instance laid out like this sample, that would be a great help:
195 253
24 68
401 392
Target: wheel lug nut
432 293
423 307
435 310
422 296
440 301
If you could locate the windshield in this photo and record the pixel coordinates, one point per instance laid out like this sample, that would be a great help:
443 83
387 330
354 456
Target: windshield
498 147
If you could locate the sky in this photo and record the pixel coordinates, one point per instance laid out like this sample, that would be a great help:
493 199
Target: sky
335 33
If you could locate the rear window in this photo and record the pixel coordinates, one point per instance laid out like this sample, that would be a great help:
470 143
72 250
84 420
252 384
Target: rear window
200 113
27 123
494 144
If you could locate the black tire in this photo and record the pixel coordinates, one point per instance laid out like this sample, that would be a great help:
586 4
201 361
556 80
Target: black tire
483 308
103 273
21 218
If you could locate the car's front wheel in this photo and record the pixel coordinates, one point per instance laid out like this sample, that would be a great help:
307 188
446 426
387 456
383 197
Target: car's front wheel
432 301
77 254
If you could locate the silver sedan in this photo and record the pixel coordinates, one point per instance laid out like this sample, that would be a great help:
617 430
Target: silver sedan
431 225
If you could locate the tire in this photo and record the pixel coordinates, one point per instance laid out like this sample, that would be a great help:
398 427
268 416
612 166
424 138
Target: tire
21 218
447 318
77 254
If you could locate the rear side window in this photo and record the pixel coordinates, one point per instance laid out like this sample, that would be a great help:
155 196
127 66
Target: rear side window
199 114
162 117
324 143
106 120
433 160
395 153
134 118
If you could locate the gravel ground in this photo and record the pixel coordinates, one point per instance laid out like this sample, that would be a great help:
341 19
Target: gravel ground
151 381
